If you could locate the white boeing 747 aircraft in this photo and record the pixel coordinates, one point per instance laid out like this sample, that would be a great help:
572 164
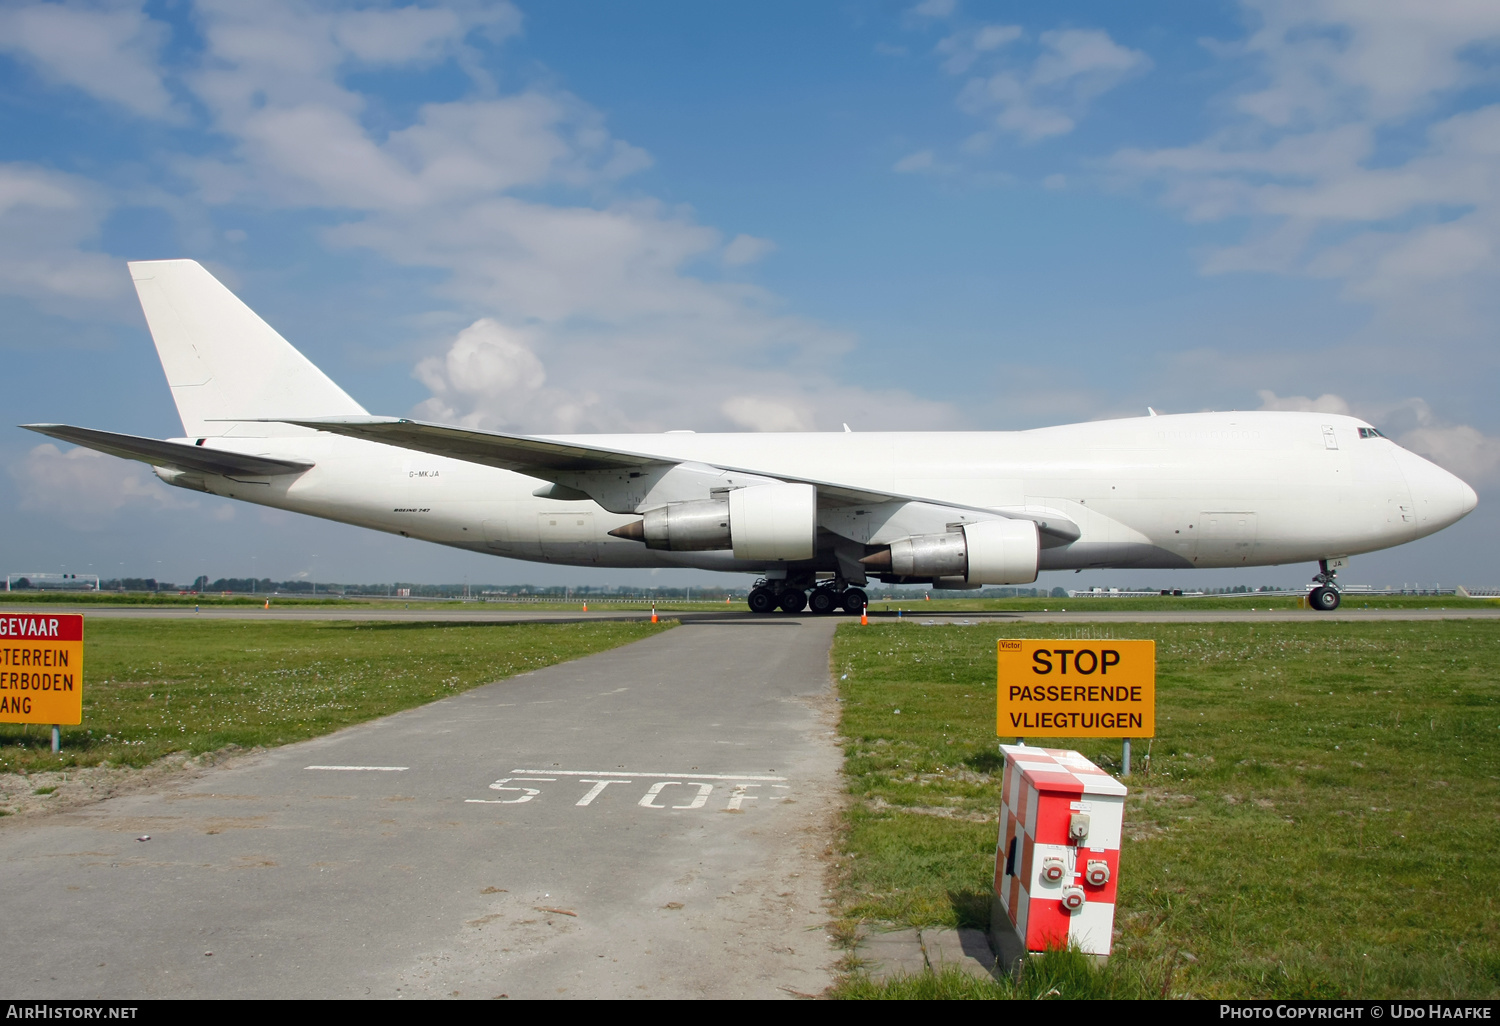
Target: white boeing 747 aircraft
813 515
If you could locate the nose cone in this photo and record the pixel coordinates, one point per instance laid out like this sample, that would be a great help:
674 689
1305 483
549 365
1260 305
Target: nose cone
1440 498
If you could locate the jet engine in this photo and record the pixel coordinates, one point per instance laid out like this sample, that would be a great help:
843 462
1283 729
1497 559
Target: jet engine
989 552
774 521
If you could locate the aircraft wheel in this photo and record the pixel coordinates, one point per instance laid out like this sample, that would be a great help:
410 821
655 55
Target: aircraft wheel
823 601
1325 599
854 601
793 600
762 600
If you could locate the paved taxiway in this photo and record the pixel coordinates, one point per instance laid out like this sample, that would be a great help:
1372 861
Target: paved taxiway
649 821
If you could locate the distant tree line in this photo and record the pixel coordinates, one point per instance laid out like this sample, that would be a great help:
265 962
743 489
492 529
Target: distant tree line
266 586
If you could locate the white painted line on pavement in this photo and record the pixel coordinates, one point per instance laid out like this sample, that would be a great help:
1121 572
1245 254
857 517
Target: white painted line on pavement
377 769
693 775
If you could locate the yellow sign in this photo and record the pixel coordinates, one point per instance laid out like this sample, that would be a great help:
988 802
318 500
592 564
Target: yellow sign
1076 688
41 668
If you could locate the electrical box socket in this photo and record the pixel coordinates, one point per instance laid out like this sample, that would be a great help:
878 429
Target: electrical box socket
1096 874
1078 827
1073 899
1053 870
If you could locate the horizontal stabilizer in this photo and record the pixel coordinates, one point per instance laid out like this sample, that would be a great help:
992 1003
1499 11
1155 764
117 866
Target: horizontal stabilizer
177 455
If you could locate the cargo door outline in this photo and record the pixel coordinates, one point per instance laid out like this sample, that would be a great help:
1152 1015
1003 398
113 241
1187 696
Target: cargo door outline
568 535
510 536
1225 537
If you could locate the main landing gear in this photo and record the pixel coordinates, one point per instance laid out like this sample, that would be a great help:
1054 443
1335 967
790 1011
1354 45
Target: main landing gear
795 596
1326 595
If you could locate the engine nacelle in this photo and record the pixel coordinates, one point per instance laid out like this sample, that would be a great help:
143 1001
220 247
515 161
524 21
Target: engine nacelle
777 521
688 526
989 552
773 521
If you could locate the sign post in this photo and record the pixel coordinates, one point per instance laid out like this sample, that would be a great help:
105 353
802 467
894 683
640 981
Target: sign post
1076 688
41 670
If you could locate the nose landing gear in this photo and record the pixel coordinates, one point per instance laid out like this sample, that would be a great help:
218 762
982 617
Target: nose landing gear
1326 595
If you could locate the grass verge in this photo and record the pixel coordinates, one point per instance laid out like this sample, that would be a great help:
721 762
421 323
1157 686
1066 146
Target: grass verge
153 687
1318 817
82 602
918 606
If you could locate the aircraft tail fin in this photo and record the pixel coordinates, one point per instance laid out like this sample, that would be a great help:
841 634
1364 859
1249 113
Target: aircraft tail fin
222 361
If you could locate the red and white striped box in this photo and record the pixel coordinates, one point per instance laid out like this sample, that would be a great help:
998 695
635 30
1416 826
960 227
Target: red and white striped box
1058 862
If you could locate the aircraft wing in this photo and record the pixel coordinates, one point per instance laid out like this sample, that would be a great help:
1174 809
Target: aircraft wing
546 459
176 455
525 454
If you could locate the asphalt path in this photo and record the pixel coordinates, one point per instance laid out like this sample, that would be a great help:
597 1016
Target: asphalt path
908 611
652 821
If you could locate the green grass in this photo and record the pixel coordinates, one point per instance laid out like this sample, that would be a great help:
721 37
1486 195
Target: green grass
1318 819
95 599
1055 975
153 687
917 606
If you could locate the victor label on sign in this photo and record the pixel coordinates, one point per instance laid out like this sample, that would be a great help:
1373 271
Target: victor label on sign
41 668
1076 688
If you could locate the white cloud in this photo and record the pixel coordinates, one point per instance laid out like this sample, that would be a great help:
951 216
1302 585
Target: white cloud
1466 451
590 306
1306 160
491 377
1460 448
922 162
598 292
46 218
935 8
485 358
1325 403
766 413
655 375
962 49
85 489
1072 68
405 35
747 249
109 51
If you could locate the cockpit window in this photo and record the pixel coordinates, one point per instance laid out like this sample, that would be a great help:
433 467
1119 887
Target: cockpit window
1370 433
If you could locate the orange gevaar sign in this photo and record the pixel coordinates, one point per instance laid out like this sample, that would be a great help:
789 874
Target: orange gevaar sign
1076 688
41 668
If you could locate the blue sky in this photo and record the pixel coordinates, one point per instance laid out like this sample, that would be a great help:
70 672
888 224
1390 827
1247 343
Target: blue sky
581 216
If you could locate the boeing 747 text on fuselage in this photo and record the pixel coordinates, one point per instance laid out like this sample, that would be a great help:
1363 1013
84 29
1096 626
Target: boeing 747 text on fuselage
814 516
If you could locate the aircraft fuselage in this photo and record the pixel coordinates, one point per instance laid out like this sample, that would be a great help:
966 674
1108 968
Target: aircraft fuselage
1174 491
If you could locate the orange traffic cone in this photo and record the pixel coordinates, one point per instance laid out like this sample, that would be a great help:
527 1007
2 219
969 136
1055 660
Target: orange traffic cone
268 603
653 612
864 615
585 607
